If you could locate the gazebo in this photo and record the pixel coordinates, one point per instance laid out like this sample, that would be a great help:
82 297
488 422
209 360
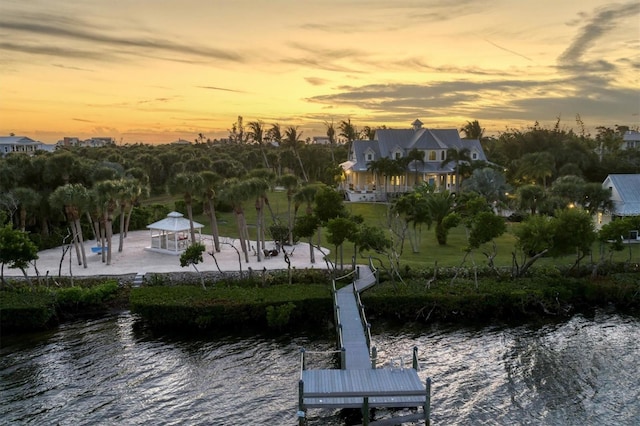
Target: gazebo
172 234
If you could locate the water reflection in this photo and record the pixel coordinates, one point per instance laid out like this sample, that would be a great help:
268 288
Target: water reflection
583 371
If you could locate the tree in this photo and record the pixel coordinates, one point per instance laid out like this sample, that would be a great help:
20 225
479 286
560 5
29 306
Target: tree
534 238
574 234
348 132
339 229
292 138
439 206
536 166
106 197
28 199
529 197
210 181
187 184
257 187
306 227
489 183
191 257
16 250
473 130
291 185
414 156
256 133
331 134
457 156
72 198
236 192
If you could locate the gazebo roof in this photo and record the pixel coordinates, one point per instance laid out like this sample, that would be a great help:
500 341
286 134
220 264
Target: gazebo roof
174 222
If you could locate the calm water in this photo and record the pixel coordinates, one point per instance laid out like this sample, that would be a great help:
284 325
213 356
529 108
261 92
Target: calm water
580 372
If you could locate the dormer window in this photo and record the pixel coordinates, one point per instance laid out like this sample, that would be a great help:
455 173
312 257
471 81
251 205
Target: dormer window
432 156
397 155
369 156
474 156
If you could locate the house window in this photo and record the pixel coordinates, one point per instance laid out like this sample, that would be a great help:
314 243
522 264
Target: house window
442 155
474 156
432 156
369 157
398 155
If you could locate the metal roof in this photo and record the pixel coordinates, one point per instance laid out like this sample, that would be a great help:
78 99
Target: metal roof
174 222
627 187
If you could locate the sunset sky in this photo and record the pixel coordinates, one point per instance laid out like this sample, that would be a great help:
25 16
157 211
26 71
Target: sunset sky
158 70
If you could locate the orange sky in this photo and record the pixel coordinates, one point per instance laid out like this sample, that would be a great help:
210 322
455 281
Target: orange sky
158 70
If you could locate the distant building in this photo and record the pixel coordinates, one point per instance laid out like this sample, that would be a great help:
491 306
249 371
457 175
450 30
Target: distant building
91 143
9 144
181 142
631 140
321 140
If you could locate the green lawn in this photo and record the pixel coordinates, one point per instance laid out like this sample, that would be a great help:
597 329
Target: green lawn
375 215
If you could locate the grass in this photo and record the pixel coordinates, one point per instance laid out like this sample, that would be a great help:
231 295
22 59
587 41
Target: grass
429 253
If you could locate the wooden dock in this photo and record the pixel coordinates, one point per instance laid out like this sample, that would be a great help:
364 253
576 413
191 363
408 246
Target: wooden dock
358 384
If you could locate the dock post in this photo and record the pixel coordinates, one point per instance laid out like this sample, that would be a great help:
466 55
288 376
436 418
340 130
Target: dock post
427 403
301 411
343 358
415 358
304 361
374 357
365 411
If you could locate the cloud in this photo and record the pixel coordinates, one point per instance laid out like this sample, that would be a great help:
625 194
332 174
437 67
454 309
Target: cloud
56 28
83 120
602 22
496 100
508 50
316 81
220 88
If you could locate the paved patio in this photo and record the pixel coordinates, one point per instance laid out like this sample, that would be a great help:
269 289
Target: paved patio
135 258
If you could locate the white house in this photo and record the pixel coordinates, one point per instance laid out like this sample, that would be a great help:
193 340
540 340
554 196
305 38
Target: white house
631 140
361 184
9 144
625 194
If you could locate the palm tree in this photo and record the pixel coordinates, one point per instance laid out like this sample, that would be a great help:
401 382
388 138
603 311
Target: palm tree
415 156
187 184
258 187
256 133
27 198
439 206
307 195
537 166
331 134
348 133
73 198
529 197
106 196
473 130
291 184
292 138
236 192
210 182
457 156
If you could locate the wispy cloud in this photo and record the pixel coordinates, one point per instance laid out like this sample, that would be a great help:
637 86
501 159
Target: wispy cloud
602 22
222 89
508 50
62 28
